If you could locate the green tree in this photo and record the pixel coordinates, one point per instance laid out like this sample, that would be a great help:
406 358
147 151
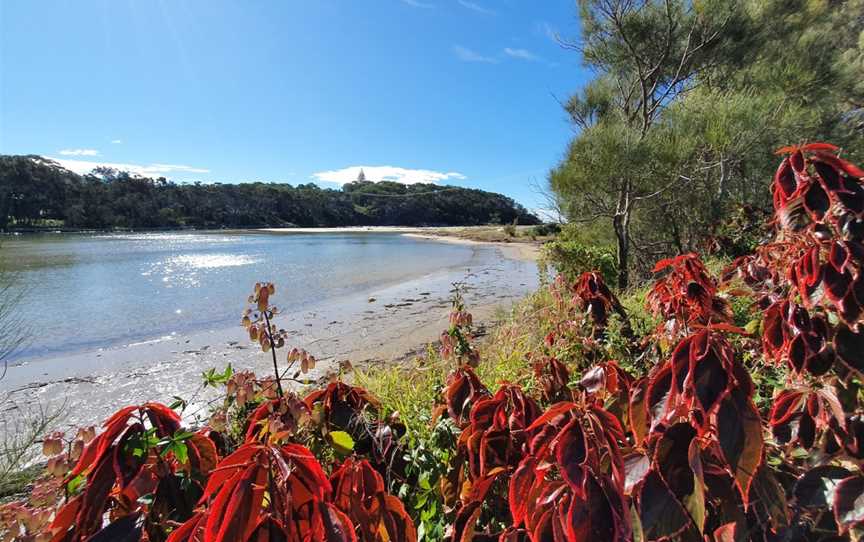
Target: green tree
646 55
689 103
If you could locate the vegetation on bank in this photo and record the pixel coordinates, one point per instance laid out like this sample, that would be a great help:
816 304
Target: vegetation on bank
36 192
688 101
720 402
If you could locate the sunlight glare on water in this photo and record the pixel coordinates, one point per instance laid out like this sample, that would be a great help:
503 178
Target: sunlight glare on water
183 270
100 290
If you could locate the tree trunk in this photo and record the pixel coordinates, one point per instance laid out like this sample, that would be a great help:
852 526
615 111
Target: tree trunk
621 224
622 253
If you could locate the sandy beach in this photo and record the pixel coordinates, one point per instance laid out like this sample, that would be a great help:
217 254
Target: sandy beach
467 235
371 327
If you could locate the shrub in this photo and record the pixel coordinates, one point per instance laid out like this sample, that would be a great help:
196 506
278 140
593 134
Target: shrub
510 229
572 258
546 230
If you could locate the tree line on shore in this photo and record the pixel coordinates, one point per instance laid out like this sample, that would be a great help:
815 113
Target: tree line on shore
37 192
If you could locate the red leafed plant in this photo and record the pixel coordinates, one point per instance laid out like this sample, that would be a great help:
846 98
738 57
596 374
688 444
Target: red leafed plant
268 493
686 295
496 435
811 275
462 391
140 452
571 485
359 491
597 300
553 377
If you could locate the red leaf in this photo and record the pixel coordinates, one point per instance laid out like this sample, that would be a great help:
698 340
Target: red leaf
785 406
228 467
189 531
849 346
739 432
234 512
552 412
337 526
660 512
638 411
520 485
849 503
636 467
591 517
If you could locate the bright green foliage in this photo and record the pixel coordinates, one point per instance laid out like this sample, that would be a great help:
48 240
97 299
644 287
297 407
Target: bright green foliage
571 256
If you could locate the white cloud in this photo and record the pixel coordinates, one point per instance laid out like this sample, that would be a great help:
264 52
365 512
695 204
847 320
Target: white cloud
386 173
145 170
476 7
522 54
79 152
116 141
467 55
417 4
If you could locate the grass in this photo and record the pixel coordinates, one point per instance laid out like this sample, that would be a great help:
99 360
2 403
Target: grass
414 388
492 234
23 429
15 483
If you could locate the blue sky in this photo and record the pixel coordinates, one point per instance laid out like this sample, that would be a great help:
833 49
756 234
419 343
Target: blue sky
458 91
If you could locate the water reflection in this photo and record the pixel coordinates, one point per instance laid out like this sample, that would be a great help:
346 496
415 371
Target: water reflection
97 290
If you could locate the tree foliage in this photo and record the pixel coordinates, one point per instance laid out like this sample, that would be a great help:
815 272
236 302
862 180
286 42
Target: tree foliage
34 190
689 102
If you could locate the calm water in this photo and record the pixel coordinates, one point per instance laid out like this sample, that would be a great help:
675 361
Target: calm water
94 290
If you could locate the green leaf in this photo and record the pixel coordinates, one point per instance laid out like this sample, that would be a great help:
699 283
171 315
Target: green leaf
181 452
75 484
342 442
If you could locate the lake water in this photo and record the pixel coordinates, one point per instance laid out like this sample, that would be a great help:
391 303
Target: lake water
87 291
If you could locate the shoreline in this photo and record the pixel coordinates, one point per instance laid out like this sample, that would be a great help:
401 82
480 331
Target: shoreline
518 248
380 326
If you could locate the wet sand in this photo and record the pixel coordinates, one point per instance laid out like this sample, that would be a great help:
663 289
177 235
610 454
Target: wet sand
374 326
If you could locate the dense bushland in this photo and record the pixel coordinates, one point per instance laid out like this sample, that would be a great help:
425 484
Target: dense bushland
35 191
703 407
686 103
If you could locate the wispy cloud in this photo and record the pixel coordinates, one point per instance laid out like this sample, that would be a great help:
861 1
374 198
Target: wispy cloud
145 170
543 28
418 4
79 152
116 141
467 55
476 7
386 173
522 54
525 54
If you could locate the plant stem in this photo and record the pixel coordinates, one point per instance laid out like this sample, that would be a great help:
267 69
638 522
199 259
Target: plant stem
273 351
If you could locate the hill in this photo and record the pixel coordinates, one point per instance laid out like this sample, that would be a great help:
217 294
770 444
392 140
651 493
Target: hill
35 192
